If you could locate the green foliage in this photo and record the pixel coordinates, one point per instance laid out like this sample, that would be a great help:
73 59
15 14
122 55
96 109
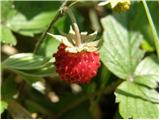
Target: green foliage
7 36
49 47
121 45
25 61
122 58
31 67
146 72
138 20
136 101
26 18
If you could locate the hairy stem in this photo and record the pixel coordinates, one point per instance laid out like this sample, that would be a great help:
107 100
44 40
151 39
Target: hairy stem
76 28
155 36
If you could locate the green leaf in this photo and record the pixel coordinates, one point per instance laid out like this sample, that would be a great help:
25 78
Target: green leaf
29 78
47 70
120 51
7 11
146 72
49 47
136 101
121 54
20 24
146 80
3 106
6 36
25 61
28 17
148 66
29 66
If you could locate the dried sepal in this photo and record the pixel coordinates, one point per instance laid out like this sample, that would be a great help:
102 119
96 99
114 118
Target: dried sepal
61 39
90 37
88 42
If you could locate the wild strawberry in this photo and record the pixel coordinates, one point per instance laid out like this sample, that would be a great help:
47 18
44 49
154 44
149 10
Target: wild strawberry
76 67
77 64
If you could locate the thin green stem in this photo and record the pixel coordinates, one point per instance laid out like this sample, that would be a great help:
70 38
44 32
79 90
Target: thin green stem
155 36
58 15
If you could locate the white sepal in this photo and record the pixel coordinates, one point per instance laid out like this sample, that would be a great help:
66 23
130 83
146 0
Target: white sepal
61 39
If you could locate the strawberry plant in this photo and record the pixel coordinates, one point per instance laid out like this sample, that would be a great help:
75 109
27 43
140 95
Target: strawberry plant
79 59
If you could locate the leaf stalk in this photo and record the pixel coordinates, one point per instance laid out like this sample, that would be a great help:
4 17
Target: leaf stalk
155 36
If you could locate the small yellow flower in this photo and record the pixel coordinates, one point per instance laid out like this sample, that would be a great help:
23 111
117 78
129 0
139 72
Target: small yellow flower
117 5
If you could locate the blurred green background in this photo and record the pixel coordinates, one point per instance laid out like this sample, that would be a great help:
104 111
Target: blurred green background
30 87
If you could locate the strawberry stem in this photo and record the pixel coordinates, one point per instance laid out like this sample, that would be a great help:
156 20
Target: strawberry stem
76 28
78 36
60 13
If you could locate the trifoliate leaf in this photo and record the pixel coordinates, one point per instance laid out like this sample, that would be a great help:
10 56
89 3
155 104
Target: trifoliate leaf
121 54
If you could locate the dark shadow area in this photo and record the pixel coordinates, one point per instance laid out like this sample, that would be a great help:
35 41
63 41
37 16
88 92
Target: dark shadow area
108 106
31 8
25 43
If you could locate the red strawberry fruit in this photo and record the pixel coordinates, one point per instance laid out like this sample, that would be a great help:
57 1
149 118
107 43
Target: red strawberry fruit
76 67
77 64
